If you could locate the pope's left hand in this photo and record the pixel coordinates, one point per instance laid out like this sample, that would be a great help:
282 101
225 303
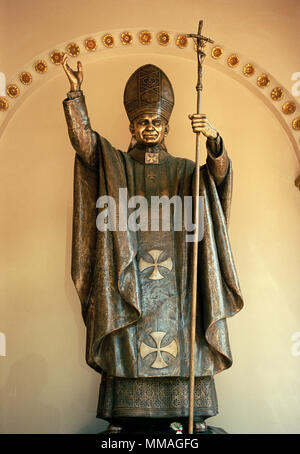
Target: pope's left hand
201 124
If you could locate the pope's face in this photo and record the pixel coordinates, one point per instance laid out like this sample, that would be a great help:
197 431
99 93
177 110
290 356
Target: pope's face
149 129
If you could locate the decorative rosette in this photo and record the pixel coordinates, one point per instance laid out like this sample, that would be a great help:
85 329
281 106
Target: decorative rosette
73 49
25 78
126 38
90 44
233 60
56 57
263 80
12 90
217 52
296 124
3 104
163 38
248 70
40 66
181 41
277 94
289 107
108 40
145 37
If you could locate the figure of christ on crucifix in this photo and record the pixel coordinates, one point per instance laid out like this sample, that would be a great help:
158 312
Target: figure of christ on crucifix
135 287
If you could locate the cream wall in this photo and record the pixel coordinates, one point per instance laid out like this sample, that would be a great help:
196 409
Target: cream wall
45 385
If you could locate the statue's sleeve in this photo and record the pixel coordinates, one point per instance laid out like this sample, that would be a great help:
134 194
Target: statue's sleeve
217 159
86 176
83 138
220 292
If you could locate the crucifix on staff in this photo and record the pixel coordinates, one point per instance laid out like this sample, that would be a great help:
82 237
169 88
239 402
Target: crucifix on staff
154 305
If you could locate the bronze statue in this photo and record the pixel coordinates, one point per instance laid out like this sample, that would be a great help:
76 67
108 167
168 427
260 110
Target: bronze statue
135 284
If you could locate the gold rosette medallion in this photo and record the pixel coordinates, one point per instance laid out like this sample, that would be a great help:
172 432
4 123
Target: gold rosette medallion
217 52
181 41
12 90
40 66
3 104
289 107
263 80
25 78
163 38
56 57
126 38
145 37
108 40
90 44
233 60
277 94
296 124
248 70
73 49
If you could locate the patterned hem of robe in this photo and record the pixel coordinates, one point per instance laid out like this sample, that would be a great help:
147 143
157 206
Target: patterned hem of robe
164 397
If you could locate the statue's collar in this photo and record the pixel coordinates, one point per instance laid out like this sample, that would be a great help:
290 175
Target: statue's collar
149 155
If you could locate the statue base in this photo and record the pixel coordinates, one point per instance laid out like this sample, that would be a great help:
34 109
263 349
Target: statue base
161 427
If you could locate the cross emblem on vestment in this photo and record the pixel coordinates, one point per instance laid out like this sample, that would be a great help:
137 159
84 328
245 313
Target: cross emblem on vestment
155 254
151 158
146 350
151 176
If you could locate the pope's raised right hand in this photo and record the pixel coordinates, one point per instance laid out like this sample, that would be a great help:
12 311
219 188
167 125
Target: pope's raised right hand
75 77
